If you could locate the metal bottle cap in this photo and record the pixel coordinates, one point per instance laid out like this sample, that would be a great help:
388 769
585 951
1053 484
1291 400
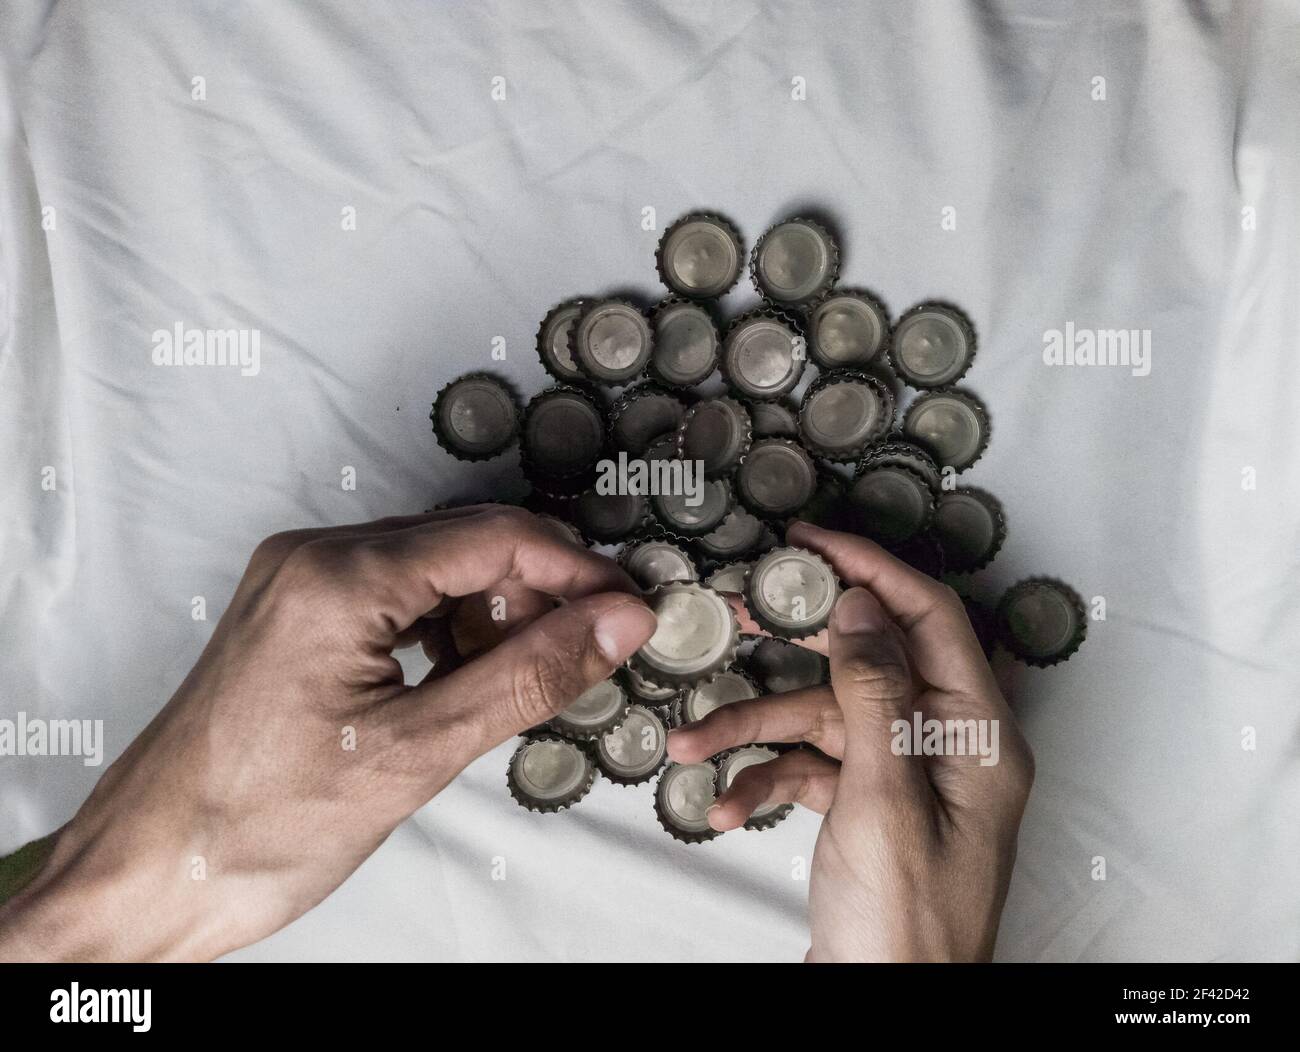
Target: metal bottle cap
595 711
610 517
772 420
829 505
1041 621
780 666
740 533
795 262
985 623
657 561
475 417
895 502
611 341
632 752
683 798
548 773
686 520
847 330
952 426
696 637
641 414
970 527
763 355
717 433
563 433
899 451
649 694
791 592
933 345
686 343
729 578
922 552
843 412
730 764
553 341
723 689
776 479
700 256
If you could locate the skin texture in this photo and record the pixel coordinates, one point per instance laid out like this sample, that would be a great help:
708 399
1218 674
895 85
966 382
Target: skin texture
245 773
915 854
245 768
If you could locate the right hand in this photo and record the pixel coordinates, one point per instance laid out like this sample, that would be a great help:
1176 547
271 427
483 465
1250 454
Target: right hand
915 854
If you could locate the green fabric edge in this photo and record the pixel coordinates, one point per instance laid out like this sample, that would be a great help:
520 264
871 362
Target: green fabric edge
17 870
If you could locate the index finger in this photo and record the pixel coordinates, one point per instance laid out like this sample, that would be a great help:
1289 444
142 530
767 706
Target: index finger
940 639
398 576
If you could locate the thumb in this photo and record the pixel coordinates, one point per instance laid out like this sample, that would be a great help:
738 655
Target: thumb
531 676
872 682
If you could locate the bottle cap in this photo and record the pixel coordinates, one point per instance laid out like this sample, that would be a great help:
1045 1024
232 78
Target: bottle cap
700 256
923 553
553 342
933 345
847 330
611 341
632 752
829 505
844 412
687 520
696 637
548 773
1041 621
641 414
795 262
646 693
656 561
740 533
597 710
563 433
897 450
686 343
717 433
731 763
970 527
729 578
608 518
698 701
791 592
763 355
475 417
952 426
682 801
776 479
780 666
894 501
772 420
985 623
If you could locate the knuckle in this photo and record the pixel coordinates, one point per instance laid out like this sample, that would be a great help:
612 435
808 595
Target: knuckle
274 549
545 685
317 564
883 680
949 597
827 725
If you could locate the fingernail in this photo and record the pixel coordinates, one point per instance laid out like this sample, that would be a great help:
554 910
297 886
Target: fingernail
622 630
858 612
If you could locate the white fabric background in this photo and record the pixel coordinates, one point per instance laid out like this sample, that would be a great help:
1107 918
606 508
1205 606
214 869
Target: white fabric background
474 216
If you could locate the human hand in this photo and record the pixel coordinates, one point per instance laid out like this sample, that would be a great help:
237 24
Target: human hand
246 775
915 855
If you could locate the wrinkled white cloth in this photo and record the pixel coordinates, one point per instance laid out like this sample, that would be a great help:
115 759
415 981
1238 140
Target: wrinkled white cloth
128 206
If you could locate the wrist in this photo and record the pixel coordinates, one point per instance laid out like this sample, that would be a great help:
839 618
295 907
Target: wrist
84 904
